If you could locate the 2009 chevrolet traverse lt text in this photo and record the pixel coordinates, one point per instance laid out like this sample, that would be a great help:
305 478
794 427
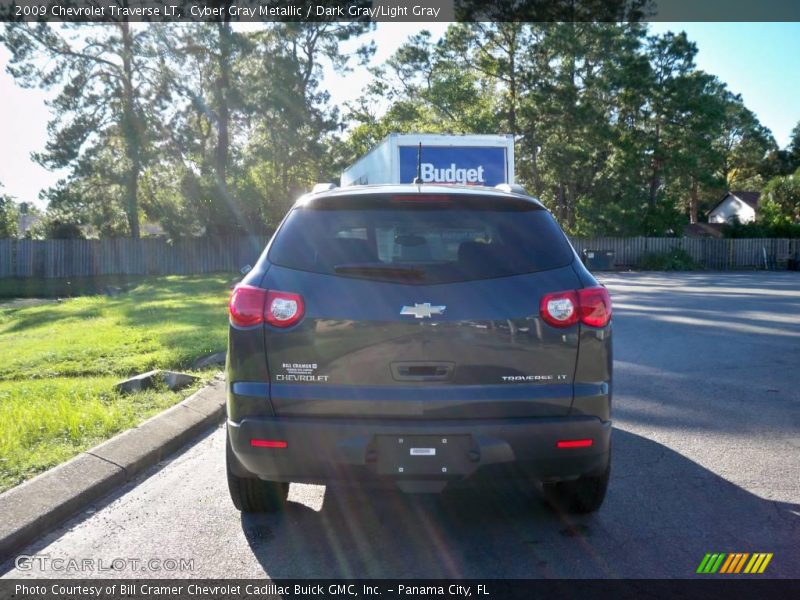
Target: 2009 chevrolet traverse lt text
419 335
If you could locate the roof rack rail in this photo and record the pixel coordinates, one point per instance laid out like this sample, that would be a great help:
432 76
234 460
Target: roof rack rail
323 187
511 188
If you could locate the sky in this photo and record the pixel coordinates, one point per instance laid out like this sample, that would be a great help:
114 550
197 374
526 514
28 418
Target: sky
757 60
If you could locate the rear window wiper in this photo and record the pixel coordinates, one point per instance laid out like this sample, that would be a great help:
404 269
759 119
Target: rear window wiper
380 272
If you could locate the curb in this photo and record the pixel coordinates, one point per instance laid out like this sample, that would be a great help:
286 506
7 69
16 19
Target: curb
34 507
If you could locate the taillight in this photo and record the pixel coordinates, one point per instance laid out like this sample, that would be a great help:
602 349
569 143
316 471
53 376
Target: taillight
595 306
246 306
560 309
284 309
251 305
259 443
586 443
590 306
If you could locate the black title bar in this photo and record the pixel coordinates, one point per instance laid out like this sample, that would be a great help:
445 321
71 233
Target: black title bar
398 10
388 589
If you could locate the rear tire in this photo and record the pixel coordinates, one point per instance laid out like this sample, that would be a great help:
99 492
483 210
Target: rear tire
582 496
253 495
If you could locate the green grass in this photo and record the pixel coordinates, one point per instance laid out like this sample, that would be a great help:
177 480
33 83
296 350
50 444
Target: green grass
60 361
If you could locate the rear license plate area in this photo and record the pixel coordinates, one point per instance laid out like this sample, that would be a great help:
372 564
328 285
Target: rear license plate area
427 455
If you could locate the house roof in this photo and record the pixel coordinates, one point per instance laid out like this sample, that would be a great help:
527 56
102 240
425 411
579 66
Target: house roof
749 198
703 230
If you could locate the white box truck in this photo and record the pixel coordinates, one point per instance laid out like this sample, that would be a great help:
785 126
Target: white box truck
462 159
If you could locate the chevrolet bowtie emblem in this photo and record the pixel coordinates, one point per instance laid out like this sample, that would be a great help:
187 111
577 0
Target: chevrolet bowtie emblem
422 311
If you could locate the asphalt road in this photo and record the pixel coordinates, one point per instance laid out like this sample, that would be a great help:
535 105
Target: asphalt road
706 459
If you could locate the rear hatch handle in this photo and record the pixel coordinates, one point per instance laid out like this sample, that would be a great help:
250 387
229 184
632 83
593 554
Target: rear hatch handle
422 371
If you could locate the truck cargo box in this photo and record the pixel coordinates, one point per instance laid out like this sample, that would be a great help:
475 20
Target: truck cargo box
486 160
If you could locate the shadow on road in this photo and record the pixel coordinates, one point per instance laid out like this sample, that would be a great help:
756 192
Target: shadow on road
655 494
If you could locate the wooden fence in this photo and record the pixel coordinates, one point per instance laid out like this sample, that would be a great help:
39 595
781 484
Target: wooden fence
151 256
718 254
126 256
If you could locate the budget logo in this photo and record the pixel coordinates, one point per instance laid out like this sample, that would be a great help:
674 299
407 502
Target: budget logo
465 165
737 562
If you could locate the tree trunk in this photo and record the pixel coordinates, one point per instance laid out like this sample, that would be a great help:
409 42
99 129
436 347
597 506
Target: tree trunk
223 94
693 202
561 206
655 175
655 181
512 113
571 207
131 131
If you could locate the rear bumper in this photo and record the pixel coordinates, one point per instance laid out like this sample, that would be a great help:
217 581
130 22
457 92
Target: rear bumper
339 450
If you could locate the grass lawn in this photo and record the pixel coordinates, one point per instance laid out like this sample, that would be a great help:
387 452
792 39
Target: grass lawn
60 360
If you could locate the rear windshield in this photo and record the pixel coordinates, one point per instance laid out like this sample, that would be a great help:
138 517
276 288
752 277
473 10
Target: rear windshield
421 243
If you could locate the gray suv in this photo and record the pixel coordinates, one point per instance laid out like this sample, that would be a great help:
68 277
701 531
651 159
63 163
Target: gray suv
419 336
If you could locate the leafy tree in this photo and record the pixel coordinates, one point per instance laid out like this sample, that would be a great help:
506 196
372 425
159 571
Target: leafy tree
211 128
107 91
248 127
781 200
573 122
200 66
744 145
541 82
793 150
671 57
698 158
9 216
617 132
428 89
288 146
91 196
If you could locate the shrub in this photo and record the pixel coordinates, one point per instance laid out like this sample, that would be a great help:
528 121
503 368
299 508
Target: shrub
676 259
60 230
762 229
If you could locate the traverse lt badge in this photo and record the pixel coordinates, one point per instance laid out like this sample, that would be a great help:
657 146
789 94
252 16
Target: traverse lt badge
422 311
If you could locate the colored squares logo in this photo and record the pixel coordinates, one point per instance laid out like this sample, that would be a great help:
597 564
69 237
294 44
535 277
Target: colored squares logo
733 563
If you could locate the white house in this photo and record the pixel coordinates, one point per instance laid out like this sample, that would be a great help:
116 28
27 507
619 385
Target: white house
27 222
735 205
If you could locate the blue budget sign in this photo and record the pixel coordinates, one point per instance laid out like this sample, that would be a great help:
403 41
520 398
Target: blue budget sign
468 165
